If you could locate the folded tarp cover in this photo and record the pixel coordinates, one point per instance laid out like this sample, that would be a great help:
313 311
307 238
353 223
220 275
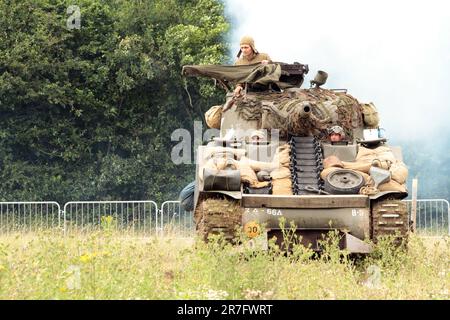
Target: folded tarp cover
263 74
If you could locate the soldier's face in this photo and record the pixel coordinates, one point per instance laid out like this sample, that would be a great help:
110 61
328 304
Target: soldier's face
335 137
246 50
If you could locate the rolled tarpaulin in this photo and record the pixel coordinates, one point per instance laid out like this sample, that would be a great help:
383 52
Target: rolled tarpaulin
187 197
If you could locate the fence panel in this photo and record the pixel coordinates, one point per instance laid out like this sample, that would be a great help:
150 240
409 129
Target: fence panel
175 221
432 217
144 219
132 217
29 216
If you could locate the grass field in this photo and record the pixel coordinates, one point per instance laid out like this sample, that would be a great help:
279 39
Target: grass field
106 265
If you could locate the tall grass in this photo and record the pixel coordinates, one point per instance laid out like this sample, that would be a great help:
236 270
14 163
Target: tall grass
107 265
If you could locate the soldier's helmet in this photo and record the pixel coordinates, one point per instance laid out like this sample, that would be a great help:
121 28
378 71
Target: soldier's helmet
336 130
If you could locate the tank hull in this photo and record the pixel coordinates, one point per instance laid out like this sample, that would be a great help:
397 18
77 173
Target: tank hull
326 214
312 217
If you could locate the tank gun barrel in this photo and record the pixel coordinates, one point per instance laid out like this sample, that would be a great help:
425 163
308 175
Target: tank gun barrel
304 111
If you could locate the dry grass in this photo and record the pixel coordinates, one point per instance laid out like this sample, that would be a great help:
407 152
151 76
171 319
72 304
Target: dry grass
106 265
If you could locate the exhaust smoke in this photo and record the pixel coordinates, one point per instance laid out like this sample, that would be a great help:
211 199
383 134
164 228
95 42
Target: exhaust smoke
395 54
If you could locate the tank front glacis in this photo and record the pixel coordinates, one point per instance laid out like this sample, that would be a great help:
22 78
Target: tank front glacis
272 161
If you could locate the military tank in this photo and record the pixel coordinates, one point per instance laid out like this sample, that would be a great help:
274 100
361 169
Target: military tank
274 159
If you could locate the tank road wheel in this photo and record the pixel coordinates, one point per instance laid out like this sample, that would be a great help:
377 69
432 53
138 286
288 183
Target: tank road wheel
218 215
343 181
389 217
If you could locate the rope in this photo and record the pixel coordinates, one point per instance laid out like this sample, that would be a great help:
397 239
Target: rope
368 190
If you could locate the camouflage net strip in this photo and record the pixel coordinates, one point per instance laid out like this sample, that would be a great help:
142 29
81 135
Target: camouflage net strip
327 108
218 215
347 108
291 103
249 109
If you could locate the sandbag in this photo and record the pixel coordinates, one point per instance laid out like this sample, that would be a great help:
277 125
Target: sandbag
392 185
282 186
364 152
382 154
260 165
282 155
282 148
222 151
332 161
358 166
383 164
280 173
281 160
247 174
223 163
218 164
399 172
213 117
259 184
325 172
370 115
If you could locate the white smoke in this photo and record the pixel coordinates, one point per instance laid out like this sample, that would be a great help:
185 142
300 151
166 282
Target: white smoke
395 54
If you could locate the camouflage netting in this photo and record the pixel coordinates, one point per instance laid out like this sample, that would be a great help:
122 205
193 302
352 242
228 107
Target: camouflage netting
327 108
370 115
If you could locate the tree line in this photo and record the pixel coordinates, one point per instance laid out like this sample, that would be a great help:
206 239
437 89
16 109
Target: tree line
89 95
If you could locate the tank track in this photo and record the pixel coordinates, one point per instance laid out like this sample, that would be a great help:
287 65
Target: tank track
217 215
389 217
306 165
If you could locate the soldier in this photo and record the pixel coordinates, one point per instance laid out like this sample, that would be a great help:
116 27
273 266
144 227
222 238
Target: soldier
249 56
336 134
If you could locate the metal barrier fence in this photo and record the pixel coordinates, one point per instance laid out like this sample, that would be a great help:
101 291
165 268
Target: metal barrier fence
29 216
133 217
432 216
143 218
175 220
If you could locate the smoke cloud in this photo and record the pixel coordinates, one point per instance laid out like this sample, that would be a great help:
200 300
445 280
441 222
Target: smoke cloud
395 54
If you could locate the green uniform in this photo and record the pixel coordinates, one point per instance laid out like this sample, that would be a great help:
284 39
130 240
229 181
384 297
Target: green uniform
242 61
256 58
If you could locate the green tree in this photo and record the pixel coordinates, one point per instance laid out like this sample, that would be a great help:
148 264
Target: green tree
88 113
